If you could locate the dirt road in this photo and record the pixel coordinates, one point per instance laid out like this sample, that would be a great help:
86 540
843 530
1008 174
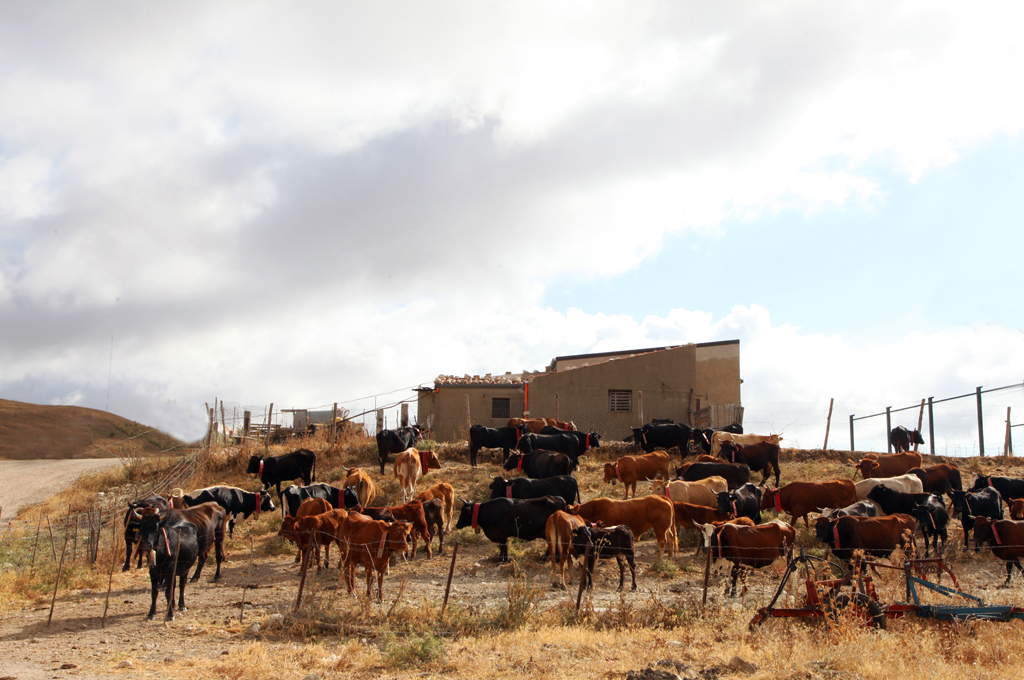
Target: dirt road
33 481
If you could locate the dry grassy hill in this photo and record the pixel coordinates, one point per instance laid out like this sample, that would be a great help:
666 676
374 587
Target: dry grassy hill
29 431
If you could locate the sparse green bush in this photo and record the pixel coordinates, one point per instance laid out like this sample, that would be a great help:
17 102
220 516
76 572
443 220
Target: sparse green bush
665 568
412 651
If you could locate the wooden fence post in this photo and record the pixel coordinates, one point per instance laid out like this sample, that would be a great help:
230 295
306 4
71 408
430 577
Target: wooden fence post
270 417
583 576
828 423
56 583
920 421
334 421
1007 450
246 423
113 563
248 578
451 572
707 569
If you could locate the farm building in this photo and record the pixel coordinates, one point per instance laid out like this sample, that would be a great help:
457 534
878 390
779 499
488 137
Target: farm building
607 392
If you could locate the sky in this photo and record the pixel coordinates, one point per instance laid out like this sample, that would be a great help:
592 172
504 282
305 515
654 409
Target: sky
314 203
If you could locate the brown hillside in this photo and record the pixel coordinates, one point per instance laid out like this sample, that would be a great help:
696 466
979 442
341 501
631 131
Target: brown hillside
30 431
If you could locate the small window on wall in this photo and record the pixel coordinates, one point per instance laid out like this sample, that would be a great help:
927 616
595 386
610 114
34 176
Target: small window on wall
620 400
501 407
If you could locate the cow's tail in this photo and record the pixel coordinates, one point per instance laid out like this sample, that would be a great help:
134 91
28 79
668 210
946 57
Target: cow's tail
578 498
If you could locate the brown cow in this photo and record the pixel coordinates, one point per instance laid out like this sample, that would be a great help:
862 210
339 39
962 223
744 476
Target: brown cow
370 543
891 465
412 513
762 456
307 508
535 425
801 498
876 536
1006 537
558 532
938 479
313 531
693 516
445 492
639 514
755 547
1017 509
366 491
409 465
631 469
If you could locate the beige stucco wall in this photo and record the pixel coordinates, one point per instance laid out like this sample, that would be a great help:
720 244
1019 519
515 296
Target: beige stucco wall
445 408
717 373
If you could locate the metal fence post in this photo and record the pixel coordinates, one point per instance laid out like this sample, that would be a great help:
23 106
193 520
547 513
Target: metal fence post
888 429
852 447
981 429
931 425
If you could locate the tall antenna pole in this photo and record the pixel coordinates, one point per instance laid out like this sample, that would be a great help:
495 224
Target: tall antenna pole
110 368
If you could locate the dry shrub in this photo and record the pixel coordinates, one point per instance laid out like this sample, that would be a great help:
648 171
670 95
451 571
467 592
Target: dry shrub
521 598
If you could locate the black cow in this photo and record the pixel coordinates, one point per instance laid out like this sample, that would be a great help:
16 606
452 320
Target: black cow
540 464
273 470
293 496
236 501
564 486
396 441
504 438
617 542
892 501
651 437
562 443
131 528
176 547
703 437
505 518
433 511
1009 488
858 509
932 518
585 440
735 475
742 502
970 504
903 439
760 457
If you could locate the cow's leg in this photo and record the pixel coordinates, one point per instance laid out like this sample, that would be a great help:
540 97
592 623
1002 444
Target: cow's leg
181 594
430 551
169 592
380 587
503 551
735 576
1009 573
154 584
129 546
231 524
199 564
622 571
631 560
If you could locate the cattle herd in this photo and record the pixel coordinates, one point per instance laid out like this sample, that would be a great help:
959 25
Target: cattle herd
712 496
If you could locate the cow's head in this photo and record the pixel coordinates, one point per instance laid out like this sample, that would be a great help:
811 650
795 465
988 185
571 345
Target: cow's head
681 470
823 529
398 536
287 529
916 438
610 473
658 487
581 539
513 461
254 465
702 439
725 501
728 451
498 486
866 468
349 498
433 463
266 505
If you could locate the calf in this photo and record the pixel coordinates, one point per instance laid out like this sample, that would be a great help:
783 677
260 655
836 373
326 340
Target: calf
932 517
558 532
412 513
307 508
984 503
293 496
445 492
409 465
504 438
631 469
505 518
742 502
690 516
433 512
362 483
892 502
802 498
876 536
938 478
1006 538
175 549
564 486
702 492
1017 509
314 531
370 543
754 547
603 543
639 514
535 425
276 469
735 475
540 464
234 500
761 457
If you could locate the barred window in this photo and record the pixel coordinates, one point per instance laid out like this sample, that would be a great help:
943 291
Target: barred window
501 407
620 400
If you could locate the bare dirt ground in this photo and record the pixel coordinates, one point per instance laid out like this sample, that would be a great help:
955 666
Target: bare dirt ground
27 482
